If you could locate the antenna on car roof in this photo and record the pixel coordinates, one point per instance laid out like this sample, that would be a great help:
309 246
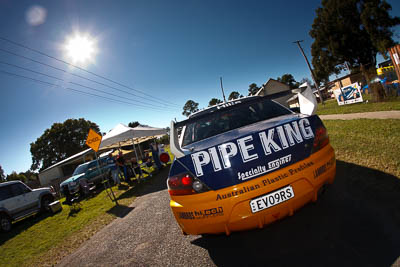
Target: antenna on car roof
222 88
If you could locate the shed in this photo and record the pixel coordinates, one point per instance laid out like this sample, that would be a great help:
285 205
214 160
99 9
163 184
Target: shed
274 87
54 174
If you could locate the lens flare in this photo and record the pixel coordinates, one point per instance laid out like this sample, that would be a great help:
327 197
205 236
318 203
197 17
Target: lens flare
36 15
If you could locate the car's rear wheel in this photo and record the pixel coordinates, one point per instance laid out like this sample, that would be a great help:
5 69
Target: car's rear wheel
5 223
45 204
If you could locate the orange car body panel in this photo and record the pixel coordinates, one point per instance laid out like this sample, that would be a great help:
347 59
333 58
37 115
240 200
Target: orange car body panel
228 209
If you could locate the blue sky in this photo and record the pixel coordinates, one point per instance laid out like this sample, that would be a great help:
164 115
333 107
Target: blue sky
172 50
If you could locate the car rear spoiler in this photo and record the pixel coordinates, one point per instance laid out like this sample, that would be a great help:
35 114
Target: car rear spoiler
174 142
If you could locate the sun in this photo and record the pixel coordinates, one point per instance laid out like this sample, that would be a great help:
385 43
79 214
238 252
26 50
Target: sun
81 48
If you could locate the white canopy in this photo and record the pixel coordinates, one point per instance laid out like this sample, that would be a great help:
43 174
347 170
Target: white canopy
121 133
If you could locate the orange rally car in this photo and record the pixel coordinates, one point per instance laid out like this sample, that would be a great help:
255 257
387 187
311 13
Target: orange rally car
244 164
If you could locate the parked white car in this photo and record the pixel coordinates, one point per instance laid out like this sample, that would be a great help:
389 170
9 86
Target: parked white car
18 201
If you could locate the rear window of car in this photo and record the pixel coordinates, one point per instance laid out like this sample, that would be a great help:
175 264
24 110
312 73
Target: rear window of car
5 192
226 120
80 169
18 189
92 165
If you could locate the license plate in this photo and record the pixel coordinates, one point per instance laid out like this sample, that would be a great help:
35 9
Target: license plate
271 199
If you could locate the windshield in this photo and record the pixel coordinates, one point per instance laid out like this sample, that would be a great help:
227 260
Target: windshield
80 169
227 120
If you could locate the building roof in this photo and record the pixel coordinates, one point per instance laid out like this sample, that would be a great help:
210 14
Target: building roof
77 155
344 77
268 83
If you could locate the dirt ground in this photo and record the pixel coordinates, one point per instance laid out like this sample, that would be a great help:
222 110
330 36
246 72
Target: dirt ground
355 223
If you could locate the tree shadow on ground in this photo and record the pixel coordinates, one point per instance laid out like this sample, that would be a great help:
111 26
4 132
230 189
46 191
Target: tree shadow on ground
74 209
355 223
120 210
23 225
154 184
148 185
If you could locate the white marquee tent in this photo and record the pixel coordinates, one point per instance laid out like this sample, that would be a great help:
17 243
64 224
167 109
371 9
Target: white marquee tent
121 133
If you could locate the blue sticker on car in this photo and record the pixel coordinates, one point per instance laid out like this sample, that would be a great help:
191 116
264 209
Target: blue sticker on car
252 154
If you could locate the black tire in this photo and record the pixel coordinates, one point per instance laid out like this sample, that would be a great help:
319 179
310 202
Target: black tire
5 223
45 203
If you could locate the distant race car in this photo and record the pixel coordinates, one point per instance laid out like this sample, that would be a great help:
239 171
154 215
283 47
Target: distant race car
244 164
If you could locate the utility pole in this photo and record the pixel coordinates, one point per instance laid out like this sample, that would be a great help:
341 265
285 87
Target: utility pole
309 66
222 88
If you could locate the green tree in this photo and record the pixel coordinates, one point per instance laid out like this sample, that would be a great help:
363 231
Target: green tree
234 95
253 89
17 177
59 142
214 101
190 107
2 175
30 175
289 80
352 32
133 124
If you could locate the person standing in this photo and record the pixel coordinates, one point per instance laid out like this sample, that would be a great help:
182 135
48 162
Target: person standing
122 167
154 153
114 169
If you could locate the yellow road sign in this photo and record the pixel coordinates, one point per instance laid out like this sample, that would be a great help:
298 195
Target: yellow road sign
93 140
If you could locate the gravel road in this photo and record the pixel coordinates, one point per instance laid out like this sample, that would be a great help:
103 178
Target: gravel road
355 223
392 114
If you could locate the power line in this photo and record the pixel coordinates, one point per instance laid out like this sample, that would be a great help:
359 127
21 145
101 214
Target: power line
62 61
79 76
91 88
98 90
71 89
16 66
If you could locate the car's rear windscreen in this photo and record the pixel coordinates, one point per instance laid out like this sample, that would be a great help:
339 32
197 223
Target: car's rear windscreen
226 120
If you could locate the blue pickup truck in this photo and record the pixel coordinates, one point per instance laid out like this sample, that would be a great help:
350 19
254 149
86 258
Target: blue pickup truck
89 171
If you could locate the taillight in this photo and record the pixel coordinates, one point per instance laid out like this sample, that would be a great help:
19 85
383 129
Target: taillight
164 157
185 184
321 139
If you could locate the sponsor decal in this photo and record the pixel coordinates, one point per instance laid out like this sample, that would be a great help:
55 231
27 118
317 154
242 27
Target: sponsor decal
267 181
275 164
201 214
220 156
229 104
272 165
320 170
301 167
237 191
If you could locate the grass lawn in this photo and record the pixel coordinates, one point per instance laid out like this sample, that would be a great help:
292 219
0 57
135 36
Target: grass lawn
45 239
331 106
371 143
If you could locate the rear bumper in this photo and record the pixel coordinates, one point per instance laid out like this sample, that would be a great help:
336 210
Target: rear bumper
228 209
